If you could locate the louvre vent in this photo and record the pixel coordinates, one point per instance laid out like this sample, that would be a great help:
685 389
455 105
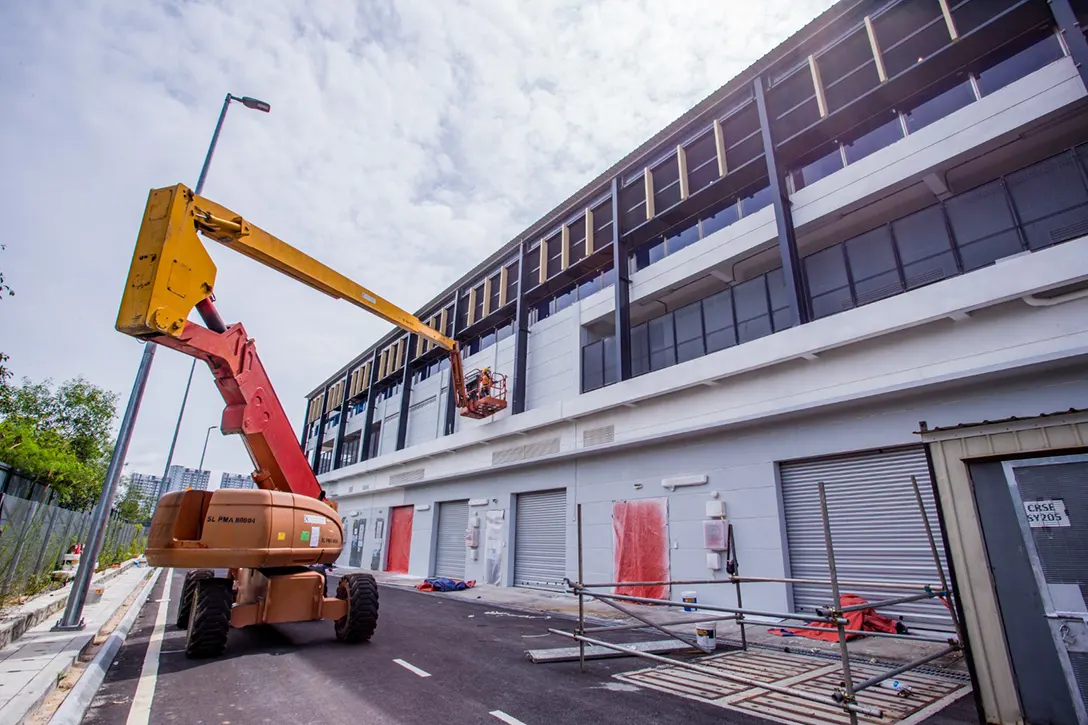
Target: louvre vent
598 436
525 452
416 474
1070 231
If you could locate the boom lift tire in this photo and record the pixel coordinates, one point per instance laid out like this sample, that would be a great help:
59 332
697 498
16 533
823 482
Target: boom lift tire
209 618
361 592
187 590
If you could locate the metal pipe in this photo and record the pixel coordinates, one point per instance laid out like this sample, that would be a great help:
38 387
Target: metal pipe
889 602
581 597
204 452
865 633
765 580
866 684
73 611
686 639
45 540
626 627
210 315
848 680
715 672
713 608
936 555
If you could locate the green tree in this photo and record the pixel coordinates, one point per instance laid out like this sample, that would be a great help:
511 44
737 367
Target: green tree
61 437
131 506
4 288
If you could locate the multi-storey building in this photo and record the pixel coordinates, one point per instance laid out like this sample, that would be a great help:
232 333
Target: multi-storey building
146 484
180 478
879 227
236 480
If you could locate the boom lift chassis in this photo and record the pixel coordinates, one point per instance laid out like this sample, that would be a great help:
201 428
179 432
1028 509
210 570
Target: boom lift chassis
267 540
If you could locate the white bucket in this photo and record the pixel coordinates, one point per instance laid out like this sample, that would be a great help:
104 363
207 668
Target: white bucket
689 598
706 635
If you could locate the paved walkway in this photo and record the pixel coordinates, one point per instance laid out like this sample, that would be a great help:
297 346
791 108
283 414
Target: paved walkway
31 666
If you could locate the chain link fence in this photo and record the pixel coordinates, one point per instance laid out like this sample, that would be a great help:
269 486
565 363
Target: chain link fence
35 536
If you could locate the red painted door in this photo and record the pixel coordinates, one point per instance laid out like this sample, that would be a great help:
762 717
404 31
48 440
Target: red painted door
400 538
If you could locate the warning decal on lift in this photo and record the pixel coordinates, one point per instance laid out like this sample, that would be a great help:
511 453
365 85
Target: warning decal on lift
313 519
315 536
1046 513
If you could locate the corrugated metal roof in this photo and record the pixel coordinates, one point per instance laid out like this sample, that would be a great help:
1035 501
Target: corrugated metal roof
923 428
836 15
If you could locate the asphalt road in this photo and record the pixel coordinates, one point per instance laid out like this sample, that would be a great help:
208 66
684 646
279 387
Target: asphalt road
475 660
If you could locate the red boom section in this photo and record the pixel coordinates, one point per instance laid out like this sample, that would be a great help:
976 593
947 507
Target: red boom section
253 410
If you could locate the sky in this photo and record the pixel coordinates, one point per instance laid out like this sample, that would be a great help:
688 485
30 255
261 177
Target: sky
407 141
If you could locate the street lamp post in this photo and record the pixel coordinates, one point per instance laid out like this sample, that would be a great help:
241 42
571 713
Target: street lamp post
72 619
206 435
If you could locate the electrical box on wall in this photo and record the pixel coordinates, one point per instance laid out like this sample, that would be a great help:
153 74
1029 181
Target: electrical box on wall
714 561
715 535
472 538
715 509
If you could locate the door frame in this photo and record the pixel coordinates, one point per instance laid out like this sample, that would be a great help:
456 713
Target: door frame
1032 551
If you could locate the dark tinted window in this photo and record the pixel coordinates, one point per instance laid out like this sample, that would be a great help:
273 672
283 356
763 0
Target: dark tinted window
611 374
593 366
924 247
939 106
512 282
982 225
686 235
1029 60
533 263
1050 198
826 165
566 299
872 266
720 218
555 256
883 135
649 254
640 350
755 201
828 285
662 343
718 321
781 314
689 332
753 316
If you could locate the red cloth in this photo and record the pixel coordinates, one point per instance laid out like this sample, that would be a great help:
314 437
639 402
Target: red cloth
861 620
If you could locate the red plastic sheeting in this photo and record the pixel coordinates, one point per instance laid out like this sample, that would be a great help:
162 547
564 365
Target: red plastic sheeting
640 546
860 620
400 538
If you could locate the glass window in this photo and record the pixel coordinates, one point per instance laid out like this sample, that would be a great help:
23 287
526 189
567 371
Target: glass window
872 266
828 285
487 340
512 282
1027 61
640 350
589 286
608 278
718 321
602 220
555 256
916 45
689 332
666 178
826 165
478 308
532 258
924 248
982 225
577 240
649 254
754 202
633 204
566 299
723 217
781 314
662 343
611 374
1050 198
683 236
592 366
496 290
883 135
753 316
504 332
940 106
541 310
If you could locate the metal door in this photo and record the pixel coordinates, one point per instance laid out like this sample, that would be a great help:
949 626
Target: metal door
358 534
540 539
1050 497
876 528
449 558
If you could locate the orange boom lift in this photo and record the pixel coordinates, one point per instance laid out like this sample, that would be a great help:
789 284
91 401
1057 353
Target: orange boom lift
266 539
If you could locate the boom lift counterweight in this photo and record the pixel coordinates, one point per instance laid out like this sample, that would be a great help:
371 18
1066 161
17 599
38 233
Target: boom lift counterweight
266 539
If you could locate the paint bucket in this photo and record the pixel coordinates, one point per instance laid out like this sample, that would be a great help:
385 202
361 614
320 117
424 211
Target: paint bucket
706 636
689 598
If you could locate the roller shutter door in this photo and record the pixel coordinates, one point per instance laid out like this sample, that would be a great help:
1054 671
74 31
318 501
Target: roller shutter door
876 529
452 522
540 539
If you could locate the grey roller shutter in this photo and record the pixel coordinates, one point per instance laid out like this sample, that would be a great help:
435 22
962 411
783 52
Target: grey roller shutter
452 523
876 529
540 539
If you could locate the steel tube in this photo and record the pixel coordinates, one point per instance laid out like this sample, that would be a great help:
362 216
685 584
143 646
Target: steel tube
581 597
863 632
713 608
844 652
765 580
866 684
683 637
715 672
936 556
889 602
627 627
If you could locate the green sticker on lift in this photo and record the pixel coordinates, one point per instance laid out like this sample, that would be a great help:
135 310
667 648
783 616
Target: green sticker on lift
305 536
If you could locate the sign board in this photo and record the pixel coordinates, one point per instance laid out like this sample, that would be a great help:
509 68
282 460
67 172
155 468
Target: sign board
1046 513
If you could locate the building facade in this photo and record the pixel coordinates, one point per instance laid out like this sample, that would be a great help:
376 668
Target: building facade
180 478
881 226
146 484
236 480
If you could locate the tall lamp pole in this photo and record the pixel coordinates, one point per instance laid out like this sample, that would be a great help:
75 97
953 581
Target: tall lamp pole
72 618
206 435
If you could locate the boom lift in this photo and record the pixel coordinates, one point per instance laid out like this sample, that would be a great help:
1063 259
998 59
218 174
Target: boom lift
266 539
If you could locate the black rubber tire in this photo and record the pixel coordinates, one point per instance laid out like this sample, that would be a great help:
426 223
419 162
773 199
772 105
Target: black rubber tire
187 589
361 591
209 622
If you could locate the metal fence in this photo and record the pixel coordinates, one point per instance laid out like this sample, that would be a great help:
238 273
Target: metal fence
34 536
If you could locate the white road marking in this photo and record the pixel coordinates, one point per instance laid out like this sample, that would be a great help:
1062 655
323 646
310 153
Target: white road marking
505 718
140 712
412 668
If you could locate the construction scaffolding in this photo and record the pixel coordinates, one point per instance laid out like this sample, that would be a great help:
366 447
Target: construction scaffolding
832 617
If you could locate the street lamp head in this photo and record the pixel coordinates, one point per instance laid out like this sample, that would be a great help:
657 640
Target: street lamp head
255 104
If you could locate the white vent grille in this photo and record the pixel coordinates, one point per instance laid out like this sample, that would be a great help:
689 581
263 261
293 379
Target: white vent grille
598 436
525 452
416 474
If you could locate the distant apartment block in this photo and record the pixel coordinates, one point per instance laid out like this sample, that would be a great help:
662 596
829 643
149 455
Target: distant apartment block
146 484
181 478
236 480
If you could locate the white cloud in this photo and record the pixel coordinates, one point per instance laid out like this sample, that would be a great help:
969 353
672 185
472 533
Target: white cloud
406 142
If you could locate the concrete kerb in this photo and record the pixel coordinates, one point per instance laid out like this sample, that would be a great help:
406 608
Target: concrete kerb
79 698
40 608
